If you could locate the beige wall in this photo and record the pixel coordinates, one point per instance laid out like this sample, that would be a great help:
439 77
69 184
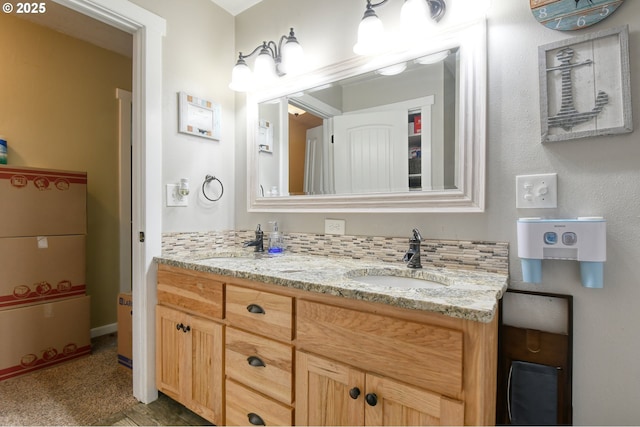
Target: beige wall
58 110
596 176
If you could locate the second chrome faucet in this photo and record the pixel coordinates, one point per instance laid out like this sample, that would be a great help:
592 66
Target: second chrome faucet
412 257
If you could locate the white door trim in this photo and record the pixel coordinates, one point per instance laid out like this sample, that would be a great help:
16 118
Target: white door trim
148 31
124 136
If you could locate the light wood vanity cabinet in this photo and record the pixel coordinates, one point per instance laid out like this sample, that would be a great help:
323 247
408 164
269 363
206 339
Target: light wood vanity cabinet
296 357
189 343
418 364
259 357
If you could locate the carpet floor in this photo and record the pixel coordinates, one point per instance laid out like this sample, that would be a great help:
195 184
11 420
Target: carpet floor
81 392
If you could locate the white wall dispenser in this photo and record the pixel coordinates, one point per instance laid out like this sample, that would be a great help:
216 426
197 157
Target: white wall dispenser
582 239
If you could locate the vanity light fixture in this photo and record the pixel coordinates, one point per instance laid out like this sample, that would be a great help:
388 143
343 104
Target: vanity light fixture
434 58
392 70
273 61
414 17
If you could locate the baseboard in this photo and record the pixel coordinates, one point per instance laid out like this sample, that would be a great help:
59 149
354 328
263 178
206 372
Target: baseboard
104 330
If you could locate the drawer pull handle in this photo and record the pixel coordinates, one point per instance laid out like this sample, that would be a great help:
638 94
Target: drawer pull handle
256 361
255 309
354 393
255 419
371 399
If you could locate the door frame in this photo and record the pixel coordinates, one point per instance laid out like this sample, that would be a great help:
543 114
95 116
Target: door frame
148 31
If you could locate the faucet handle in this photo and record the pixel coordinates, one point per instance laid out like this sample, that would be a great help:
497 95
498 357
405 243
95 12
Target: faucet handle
416 235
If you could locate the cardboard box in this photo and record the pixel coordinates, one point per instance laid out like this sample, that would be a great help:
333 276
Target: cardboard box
125 334
41 269
43 335
42 202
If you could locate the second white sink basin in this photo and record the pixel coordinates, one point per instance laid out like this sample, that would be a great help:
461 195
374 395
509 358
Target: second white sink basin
399 282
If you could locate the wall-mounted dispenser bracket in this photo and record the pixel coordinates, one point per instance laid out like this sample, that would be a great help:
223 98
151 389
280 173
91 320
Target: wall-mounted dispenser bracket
582 239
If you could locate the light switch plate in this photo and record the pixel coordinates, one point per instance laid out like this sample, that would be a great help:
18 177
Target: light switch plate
172 196
537 191
334 226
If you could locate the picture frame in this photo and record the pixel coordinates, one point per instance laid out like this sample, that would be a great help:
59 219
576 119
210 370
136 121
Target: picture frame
198 116
585 86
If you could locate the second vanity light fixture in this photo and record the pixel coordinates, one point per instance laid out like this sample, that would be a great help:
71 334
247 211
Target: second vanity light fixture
273 60
414 18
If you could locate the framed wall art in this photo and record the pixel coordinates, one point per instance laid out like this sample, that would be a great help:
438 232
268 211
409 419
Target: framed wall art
585 87
198 116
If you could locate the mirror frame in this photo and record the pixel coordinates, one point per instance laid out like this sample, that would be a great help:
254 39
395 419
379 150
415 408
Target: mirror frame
471 39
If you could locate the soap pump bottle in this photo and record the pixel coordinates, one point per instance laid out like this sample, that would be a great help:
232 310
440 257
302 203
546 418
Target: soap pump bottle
276 242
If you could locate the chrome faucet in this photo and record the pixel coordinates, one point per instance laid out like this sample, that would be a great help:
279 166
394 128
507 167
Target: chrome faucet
413 254
258 242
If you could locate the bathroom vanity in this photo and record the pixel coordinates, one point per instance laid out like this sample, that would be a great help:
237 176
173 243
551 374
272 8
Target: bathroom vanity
307 340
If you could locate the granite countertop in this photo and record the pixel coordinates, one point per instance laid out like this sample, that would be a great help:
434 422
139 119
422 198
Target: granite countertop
470 295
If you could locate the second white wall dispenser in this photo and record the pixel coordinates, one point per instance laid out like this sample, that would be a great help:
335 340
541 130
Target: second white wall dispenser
582 239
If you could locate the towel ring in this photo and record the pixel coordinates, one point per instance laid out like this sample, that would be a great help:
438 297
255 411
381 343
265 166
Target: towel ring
207 180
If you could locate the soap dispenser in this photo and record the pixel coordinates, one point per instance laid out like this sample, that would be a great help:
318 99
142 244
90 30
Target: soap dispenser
276 242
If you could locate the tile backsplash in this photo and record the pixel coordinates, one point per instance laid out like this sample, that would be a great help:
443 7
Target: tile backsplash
458 254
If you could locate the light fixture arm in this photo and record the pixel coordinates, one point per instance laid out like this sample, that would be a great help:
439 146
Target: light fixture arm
242 57
437 8
371 5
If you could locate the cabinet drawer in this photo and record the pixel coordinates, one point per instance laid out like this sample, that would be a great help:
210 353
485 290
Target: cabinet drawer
190 291
264 313
263 364
424 355
243 405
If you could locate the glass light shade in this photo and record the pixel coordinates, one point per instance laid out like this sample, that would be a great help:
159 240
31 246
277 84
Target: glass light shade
392 70
240 77
434 58
264 68
415 17
292 58
371 37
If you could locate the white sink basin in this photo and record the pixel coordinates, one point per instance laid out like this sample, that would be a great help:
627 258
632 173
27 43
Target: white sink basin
399 282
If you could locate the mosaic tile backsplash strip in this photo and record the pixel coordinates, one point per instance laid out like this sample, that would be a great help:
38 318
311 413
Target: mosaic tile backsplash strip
456 254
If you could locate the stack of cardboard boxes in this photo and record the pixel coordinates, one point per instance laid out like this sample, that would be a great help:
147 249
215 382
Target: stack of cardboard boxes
44 310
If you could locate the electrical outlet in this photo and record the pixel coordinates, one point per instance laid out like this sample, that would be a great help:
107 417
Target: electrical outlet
537 191
173 198
334 226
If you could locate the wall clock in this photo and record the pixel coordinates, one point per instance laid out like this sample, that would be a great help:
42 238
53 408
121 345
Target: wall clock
568 15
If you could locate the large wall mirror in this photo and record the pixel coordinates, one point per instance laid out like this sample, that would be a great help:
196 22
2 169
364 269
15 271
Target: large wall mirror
401 132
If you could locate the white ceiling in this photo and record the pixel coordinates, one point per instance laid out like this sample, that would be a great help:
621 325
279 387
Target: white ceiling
75 24
234 7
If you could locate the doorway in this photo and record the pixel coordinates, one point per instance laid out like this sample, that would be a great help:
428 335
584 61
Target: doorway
148 31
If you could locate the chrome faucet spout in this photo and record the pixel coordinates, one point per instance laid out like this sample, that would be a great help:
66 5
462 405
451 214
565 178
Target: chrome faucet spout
258 242
412 257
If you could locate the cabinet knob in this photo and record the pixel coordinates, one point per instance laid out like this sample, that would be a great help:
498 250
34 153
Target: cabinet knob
255 309
372 399
255 361
184 328
255 419
354 392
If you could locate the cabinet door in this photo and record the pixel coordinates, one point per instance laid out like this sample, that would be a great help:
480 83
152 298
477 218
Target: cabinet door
189 362
391 403
323 390
171 361
203 389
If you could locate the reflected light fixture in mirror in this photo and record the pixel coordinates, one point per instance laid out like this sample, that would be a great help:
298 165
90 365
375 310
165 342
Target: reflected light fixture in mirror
415 17
273 60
